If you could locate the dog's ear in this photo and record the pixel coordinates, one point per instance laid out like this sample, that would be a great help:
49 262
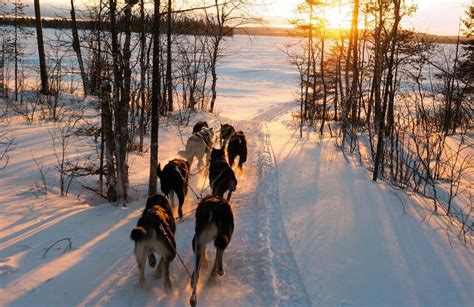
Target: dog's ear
158 170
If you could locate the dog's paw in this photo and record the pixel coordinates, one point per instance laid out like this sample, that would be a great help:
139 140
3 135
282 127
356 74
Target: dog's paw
220 272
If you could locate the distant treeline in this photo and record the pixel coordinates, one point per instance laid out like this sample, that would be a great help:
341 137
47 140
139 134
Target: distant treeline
335 34
186 25
181 25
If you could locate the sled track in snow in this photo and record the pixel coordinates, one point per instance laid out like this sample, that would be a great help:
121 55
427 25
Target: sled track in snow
288 275
287 281
274 112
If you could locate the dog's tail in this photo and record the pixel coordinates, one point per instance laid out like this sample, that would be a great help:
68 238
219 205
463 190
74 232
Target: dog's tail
138 234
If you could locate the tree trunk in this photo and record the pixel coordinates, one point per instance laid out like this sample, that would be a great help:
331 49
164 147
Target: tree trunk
323 80
118 85
155 102
377 80
99 89
217 36
169 77
77 48
42 57
214 75
15 42
143 72
310 56
355 64
121 117
107 126
389 80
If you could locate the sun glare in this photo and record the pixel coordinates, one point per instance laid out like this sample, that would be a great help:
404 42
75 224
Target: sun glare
330 17
337 18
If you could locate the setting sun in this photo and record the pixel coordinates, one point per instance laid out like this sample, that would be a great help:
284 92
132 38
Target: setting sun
338 18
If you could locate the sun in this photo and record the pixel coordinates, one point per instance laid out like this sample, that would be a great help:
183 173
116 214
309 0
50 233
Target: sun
337 18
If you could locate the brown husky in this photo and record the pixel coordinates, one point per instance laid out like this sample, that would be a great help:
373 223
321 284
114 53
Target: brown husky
155 233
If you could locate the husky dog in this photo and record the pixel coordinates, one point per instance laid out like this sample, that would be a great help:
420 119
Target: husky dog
199 125
214 222
237 147
174 178
155 233
221 175
227 131
198 145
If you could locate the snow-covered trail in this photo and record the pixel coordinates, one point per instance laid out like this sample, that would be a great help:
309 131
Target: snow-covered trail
311 229
352 241
101 269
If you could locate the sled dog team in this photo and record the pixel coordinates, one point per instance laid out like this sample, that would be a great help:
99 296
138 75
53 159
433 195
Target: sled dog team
155 231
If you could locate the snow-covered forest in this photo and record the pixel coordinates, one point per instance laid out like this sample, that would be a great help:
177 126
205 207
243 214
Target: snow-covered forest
356 184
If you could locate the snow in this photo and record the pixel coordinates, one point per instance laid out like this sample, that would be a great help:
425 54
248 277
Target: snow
254 77
311 229
353 241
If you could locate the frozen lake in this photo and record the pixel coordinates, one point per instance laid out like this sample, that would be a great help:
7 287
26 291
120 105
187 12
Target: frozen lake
254 75
254 72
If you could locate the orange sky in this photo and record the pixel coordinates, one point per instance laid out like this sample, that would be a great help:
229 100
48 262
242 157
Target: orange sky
433 16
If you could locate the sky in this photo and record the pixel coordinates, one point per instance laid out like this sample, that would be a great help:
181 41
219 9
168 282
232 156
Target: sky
433 16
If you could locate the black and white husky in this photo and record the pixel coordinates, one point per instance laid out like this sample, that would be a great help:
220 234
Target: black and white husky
237 147
199 145
214 223
174 178
155 233
221 176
